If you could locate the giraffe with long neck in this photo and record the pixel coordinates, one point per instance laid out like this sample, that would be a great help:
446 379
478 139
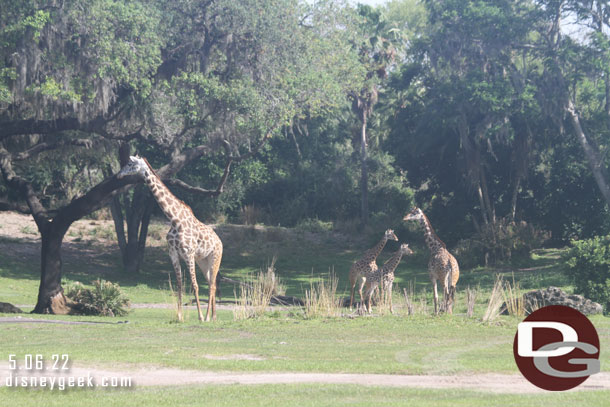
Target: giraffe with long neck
442 266
187 238
367 264
385 276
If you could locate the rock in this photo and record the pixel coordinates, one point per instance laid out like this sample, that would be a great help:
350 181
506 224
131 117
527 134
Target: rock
555 296
7 308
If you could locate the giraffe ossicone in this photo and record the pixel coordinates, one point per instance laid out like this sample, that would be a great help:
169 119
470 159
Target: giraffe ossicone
188 238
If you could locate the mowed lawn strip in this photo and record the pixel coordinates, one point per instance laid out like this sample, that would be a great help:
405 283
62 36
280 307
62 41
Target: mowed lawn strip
301 395
389 344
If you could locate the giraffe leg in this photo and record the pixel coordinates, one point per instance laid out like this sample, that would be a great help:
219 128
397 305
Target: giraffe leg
368 294
450 300
191 264
175 258
210 268
352 282
204 265
362 283
446 293
435 297
389 291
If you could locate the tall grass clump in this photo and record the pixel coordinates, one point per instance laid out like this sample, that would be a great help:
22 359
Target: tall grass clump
471 298
255 294
409 296
514 299
321 299
496 299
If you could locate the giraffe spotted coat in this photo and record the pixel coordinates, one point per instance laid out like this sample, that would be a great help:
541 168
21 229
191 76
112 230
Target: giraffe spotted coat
188 239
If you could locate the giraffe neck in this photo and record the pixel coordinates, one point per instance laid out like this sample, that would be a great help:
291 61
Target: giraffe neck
171 206
432 241
391 264
374 252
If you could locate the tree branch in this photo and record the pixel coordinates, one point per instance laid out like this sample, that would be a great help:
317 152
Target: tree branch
35 126
189 188
14 206
24 188
44 146
180 160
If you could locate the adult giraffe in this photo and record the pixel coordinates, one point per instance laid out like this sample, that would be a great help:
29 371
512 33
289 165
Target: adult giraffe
187 238
442 266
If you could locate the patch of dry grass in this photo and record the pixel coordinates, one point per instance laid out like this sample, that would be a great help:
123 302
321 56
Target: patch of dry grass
321 299
496 299
255 294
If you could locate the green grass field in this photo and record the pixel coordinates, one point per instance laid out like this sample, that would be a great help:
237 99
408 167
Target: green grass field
314 395
281 341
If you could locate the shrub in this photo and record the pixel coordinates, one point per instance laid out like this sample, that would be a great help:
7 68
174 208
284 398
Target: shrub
106 299
500 241
588 264
314 226
251 215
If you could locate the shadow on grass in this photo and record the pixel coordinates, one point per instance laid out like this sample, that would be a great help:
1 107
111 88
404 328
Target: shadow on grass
300 258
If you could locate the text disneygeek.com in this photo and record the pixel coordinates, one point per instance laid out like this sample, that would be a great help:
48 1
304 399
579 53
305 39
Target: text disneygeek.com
54 374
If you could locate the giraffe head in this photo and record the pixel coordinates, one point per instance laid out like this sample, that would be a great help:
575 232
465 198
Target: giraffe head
389 235
136 166
415 214
405 250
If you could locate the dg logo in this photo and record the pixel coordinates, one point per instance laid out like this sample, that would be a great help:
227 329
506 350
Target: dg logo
556 348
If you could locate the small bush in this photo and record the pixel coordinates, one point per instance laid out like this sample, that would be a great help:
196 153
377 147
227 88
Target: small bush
314 225
105 299
251 215
500 242
588 264
103 232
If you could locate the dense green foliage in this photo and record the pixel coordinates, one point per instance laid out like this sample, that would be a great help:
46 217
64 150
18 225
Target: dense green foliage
472 110
589 265
105 299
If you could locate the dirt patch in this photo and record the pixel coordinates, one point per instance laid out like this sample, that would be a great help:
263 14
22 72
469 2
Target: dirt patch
9 320
238 356
493 383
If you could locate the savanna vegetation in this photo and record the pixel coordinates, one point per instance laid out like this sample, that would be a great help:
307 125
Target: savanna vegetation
493 116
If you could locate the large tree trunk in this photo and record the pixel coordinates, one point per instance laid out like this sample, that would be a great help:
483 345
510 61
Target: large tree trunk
52 231
364 176
594 159
137 214
51 299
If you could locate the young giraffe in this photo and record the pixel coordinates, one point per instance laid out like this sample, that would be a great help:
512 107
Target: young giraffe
187 238
367 264
442 266
385 275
